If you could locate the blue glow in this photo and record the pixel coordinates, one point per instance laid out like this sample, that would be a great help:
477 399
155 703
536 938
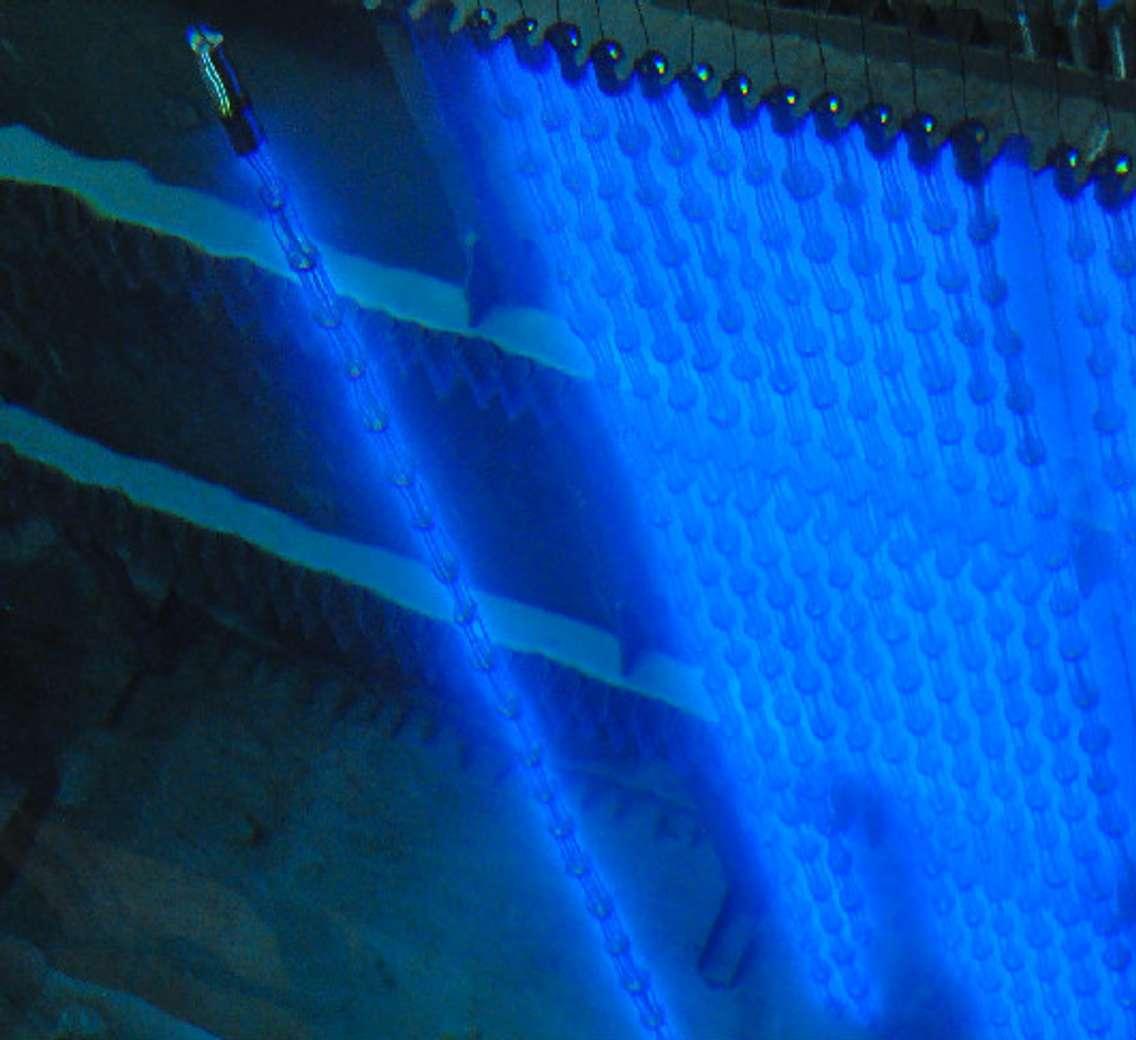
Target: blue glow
878 416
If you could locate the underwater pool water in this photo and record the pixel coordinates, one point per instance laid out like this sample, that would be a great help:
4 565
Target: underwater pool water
873 401
844 430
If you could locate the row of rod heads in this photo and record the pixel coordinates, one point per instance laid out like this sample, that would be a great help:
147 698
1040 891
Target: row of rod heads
1082 34
1109 171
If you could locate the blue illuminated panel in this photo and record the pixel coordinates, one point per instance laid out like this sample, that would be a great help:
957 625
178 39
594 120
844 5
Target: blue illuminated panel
876 413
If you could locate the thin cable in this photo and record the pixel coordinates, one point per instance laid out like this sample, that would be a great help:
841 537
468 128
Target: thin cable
599 21
690 16
733 32
1010 20
772 45
1101 78
962 62
911 62
820 45
864 52
1051 14
643 23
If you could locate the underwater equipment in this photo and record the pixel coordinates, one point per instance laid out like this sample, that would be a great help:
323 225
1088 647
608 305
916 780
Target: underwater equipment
488 668
838 380
231 104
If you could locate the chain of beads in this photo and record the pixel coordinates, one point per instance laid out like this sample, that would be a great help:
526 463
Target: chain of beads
399 471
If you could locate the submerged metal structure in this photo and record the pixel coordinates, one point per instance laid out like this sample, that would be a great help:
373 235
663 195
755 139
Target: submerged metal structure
1057 76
